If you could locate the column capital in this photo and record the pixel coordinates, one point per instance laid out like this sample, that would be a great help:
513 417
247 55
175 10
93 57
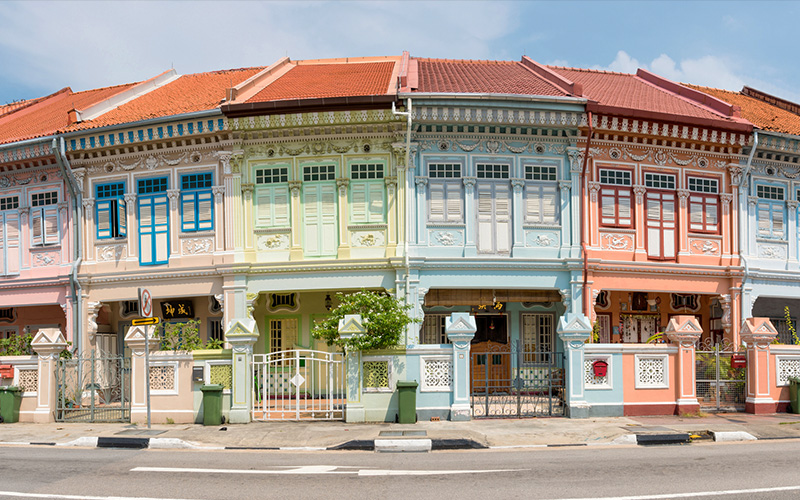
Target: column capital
683 330
758 332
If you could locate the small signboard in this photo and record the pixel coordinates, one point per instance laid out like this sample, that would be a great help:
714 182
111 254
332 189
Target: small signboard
146 321
145 303
177 309
496 308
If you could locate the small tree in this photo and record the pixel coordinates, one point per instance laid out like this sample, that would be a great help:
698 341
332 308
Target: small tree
384 317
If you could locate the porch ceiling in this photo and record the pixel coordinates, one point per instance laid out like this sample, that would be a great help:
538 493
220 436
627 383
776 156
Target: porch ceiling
477 297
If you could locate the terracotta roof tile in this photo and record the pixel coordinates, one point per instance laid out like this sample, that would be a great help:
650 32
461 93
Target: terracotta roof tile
762 114
50 114
324 80
481 77
625 90
186 94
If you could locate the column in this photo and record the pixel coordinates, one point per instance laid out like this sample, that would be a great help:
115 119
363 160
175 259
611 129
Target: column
728 223
419 197
574 330
758 334
233 199
136 339
573 197
470 248
685 331
517 215
791 232
392 212
296 250
349 326
570 245
639 214
247 214
344 233
241 335
132 225
47 344
682 224
219 218
460 329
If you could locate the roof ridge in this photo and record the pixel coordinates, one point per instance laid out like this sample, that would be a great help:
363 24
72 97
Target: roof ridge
693 96
778 102
589 70
65 92
466 61
559 81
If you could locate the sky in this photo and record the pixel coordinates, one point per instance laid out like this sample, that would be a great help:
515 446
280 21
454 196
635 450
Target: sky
46 46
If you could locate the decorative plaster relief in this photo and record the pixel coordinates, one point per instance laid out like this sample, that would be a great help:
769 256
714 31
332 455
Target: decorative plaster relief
446 237
548 239
611 241
107 253
272 242
367 238
41 259
704 247
772 251
194 246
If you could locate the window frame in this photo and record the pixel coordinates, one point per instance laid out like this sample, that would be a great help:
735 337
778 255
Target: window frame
271 183
533 184
117 207
149 197
705 199
39 212
10 249
773 205
194 196
374 188
617 191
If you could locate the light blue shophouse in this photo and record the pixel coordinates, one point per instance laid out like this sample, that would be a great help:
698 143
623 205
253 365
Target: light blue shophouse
494 193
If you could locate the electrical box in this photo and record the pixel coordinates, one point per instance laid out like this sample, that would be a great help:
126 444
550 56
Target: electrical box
198 374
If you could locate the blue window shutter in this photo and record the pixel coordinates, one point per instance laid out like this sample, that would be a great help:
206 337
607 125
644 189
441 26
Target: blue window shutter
103 210
205 211
122 217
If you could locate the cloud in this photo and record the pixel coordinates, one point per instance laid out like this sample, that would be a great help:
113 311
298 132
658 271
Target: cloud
558 62
710 71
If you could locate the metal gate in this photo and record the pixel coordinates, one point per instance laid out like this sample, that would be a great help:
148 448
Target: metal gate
508 381
299 384
720 387
93 388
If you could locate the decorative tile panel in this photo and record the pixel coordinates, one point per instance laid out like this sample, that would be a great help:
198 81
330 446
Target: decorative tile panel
220 374
267 242
446 237
28 380
367 238
542 239
196 246
612 241
162 378
651 372
772 251
376 375
787 367
704 247
437 373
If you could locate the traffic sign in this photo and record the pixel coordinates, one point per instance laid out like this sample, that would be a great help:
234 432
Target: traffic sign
145 303
146 321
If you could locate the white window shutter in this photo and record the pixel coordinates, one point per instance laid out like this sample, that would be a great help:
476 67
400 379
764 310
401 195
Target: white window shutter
485 219
502 217
280 206
358 202
37 229
712 218
188 208
376 201
550 205
533 204
777 221
51 236
122 217
205 211
328 236
455 203
696 213
436 200
608 206
624 208
264 207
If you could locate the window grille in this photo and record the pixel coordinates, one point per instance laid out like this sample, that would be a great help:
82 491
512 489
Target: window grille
150 186
659 181
42 199
9 203
702 185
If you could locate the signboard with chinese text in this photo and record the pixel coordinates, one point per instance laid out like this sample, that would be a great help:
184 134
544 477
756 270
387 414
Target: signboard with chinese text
177 309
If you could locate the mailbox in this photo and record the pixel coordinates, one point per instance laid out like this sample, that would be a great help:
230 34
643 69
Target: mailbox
198 374
600 368
6 371
738 361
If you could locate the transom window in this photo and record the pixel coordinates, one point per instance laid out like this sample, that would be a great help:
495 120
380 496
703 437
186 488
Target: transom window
615 177
769 192
111 190
659 181
702 185
196 181
273 175
319 173
492 171
149 186
9 203
444 170
365 171
540 173
42 199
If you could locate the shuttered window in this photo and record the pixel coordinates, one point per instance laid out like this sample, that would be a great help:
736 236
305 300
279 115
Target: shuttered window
110 210
541 194
771 211
494 218
616 207
44 218
272 197
153 221
367 193
320 230
9 236
703 205
445 201
661 225
197 202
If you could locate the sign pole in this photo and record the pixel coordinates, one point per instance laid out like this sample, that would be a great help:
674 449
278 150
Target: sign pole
146 311
147 330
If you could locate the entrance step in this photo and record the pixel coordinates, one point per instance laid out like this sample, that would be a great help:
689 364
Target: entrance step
403 433
403 445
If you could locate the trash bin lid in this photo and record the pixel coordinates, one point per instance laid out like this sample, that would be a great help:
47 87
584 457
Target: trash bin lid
10 388
412 384
211 388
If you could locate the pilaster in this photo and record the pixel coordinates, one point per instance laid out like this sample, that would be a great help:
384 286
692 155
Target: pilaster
241 334
349 326
758 334
47 344
684 331
460 329
574 330
140 339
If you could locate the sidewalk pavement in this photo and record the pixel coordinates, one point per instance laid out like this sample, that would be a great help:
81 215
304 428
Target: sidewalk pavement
494 433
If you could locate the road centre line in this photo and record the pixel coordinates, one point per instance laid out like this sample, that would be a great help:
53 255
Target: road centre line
693 494
322 469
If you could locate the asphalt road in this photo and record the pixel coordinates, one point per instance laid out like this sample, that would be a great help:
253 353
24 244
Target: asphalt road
755 470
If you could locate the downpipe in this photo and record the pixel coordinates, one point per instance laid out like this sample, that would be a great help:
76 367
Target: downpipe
584 217
744 221
406 261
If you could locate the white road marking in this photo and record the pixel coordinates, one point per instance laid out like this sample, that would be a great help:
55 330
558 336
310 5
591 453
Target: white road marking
321 469
20 494
693 494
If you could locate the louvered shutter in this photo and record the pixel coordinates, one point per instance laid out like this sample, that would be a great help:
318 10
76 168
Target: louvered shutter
668 225
205 211
777 221
549 205
3 256
264 207
311 219
712 218
188 212
280 206
502 217
653 225
764 220
146 230
485 219
533 204
328 236
696 213
624 208
376 202
608 206
103 209
37 229
358 202
9 241
122 217
51 236
161 227
454 202
436 202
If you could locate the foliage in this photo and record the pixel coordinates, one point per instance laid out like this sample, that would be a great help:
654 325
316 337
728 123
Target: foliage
16 345
66 353
385 318
180 336
595 337
213 344
657 338
790 325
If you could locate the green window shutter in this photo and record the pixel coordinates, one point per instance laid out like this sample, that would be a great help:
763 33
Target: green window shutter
280 206
358 202
264 207
376 202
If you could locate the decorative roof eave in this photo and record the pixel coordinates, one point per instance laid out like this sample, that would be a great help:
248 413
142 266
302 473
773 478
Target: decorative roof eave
493 97
288 106
26 154
738 126
785 142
